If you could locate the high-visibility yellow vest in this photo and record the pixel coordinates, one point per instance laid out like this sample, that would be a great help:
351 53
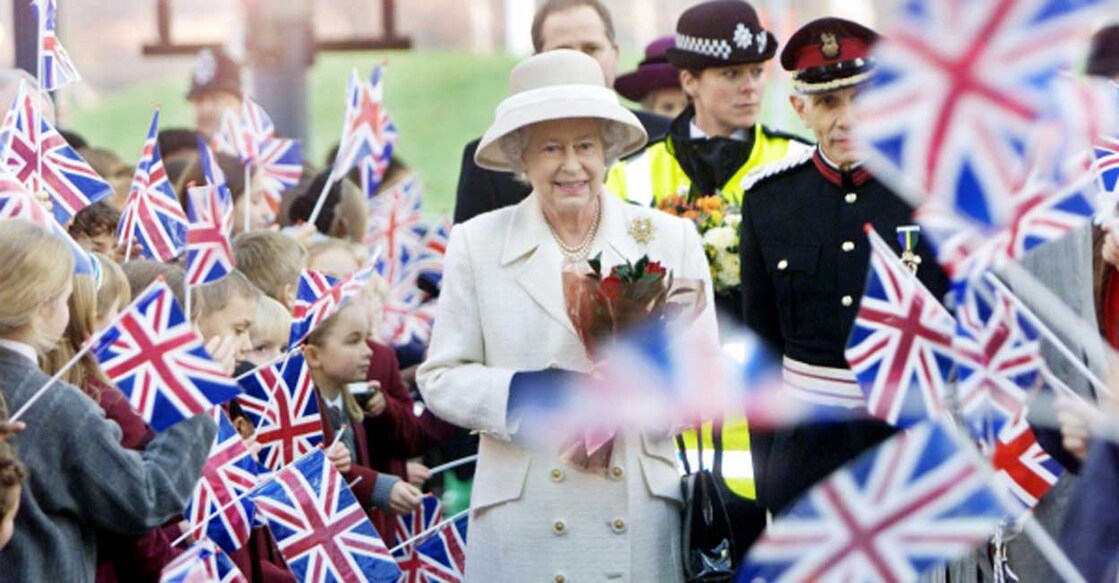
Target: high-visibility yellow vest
738 467
655 174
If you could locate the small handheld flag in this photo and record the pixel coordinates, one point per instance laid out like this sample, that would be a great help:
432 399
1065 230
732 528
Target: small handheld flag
151 215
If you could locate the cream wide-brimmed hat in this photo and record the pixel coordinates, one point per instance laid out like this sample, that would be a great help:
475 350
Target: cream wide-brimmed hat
559 84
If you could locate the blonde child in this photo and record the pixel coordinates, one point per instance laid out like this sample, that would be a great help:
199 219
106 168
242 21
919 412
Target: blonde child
272 262
335 257
270 332
80 478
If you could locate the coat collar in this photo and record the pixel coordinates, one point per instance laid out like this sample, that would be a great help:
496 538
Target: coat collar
531 251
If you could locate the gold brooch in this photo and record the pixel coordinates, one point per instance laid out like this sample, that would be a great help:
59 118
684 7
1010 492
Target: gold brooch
642 230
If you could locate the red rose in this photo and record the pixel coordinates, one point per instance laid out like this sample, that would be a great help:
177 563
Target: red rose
655 268
612 287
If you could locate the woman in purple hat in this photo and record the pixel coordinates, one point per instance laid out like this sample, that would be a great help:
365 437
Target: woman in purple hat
656 83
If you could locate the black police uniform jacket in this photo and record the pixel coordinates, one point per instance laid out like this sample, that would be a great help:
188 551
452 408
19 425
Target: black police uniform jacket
805 258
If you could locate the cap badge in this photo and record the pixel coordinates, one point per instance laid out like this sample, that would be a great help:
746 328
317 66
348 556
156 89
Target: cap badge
742 36
205 66
829 46
763 38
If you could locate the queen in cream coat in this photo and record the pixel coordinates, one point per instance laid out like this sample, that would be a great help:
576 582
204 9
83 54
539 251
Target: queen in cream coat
533 516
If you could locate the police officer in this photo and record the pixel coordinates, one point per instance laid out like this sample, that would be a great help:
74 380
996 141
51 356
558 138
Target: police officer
215 86
720 51
805 258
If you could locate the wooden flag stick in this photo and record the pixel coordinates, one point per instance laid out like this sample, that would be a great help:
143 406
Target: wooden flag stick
247 196
266 364
50 383
451 465
423 534
1049 334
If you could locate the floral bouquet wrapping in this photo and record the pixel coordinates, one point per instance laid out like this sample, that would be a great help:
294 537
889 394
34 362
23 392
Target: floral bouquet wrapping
718 227
605 307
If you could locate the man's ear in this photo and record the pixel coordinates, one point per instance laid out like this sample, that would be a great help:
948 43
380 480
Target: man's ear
797 101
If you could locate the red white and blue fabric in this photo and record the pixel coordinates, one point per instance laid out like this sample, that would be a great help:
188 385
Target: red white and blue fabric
900 347
214 175
55 66
1021 465
442 556
428 514
153 354
43 161
209 254
998 360
152 216
396 225
280 402
202 563
322 531
368 132
320 296
912 503
1107 164
17 203
278 161
958 89
428 261
219 508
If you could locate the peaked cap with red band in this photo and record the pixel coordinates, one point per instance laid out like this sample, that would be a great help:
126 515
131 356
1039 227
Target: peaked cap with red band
828 54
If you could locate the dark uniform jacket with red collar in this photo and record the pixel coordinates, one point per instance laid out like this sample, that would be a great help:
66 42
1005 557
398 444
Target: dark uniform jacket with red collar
805 257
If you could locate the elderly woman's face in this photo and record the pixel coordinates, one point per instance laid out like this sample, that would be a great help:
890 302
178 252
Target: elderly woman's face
565 161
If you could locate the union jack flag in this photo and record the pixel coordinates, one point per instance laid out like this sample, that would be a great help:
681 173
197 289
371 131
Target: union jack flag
44 162
215 176
428 514
408 317
252 138
219 508
319 526
958 90
280 402
998 360
368 132
912 503
442 556
209 255
17 203
900 347
321 296
1022 466
202 563
428 262
56 68
155 357
1107 164
152 215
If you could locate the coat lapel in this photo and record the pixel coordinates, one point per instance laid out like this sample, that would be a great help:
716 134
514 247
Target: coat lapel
618 244
528 242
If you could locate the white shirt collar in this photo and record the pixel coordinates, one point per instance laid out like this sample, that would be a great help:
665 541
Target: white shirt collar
697 134
828 161
25 350
336 402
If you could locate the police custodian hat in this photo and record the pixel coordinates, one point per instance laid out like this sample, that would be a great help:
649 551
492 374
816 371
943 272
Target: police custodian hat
720 33
214 70
829 54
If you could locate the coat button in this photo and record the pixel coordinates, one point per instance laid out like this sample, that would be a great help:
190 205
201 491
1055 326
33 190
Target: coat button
848 246
559 579
618 526
847 301
783 264
851 198
559 527
557 475
617 472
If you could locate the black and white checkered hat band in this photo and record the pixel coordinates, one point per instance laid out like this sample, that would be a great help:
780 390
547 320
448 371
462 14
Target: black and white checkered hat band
721 48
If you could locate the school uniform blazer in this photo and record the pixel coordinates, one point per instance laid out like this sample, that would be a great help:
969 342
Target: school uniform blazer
360 467
502 310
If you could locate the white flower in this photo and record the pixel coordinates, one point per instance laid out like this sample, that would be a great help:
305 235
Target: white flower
727 267
721 238
732 220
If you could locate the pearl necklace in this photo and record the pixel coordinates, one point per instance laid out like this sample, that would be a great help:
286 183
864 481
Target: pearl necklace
579 251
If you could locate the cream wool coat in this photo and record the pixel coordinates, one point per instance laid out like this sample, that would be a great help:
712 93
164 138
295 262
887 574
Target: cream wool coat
502 310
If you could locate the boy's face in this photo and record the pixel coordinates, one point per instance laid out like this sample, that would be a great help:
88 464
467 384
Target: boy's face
8 521
265 350
103 241
234 320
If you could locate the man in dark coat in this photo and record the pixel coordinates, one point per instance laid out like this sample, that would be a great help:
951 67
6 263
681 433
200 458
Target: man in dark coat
805 258
581 25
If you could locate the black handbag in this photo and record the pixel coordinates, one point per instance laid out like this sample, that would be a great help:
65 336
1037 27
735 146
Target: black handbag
718 525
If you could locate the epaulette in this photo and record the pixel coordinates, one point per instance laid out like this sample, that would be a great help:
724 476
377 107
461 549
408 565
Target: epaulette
786 135
798 155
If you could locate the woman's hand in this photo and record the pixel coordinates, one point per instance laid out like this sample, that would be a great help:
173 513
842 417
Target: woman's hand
340 457
418 474
404 497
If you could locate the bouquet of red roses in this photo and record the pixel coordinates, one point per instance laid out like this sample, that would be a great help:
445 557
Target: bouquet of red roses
604 307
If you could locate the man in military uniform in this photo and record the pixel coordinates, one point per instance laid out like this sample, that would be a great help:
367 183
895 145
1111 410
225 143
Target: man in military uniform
721 50
805 258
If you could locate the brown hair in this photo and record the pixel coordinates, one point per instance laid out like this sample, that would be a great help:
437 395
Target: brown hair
114 288
553 6
331 244
35 267
142 272
192 175
269 260
211 297
12 473
83 323
316 337
96 219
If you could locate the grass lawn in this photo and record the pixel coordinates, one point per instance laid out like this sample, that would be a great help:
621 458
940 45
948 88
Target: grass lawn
439 101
